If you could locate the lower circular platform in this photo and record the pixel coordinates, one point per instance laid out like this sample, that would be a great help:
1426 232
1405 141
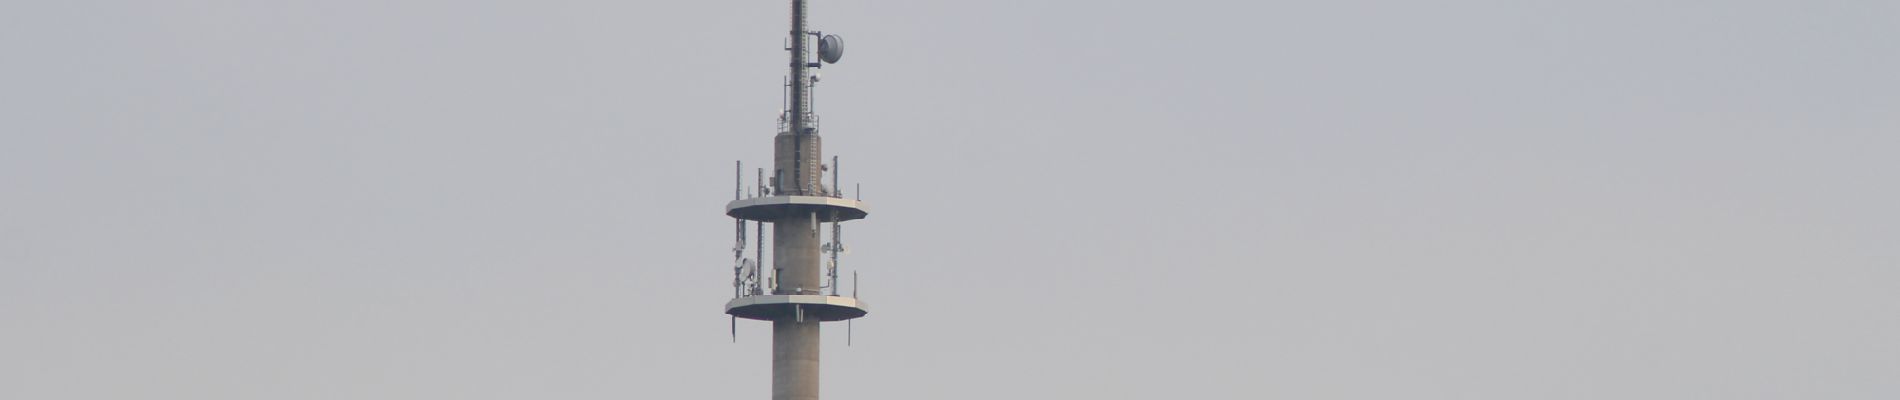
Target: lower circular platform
771 307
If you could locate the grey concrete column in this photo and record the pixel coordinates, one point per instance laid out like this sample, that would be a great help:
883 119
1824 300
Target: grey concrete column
797 164
795 359
795 253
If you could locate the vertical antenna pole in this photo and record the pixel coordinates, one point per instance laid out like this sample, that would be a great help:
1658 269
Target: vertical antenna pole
801 80
738 247
834 178
831 271
760 226
738 258
837 247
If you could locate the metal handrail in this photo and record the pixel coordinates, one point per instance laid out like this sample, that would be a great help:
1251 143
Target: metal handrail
785 123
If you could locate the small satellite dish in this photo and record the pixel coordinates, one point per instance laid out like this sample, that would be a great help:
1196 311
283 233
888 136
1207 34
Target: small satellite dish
749 269
830 49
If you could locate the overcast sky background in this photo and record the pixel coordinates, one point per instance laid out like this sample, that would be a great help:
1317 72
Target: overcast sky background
1367 199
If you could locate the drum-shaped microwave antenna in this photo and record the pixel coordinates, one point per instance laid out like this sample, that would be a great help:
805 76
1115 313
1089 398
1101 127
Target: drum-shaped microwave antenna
831 48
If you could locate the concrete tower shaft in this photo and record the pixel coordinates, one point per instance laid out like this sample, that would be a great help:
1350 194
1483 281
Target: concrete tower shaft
795 360
795 255
796 159
795 251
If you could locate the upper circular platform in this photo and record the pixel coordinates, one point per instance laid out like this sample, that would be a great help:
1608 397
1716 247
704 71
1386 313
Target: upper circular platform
819 307
770 208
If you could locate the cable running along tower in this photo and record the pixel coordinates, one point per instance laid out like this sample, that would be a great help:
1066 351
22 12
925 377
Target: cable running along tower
799 288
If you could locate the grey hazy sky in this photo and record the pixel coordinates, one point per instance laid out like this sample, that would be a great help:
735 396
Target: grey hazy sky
1368 199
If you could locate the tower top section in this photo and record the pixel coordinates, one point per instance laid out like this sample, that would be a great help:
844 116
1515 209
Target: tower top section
798 118
797 152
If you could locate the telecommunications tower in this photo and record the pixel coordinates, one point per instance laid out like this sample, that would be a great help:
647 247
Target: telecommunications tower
799 288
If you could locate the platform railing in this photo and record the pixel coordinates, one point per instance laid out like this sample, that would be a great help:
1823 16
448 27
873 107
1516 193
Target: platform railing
785 121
